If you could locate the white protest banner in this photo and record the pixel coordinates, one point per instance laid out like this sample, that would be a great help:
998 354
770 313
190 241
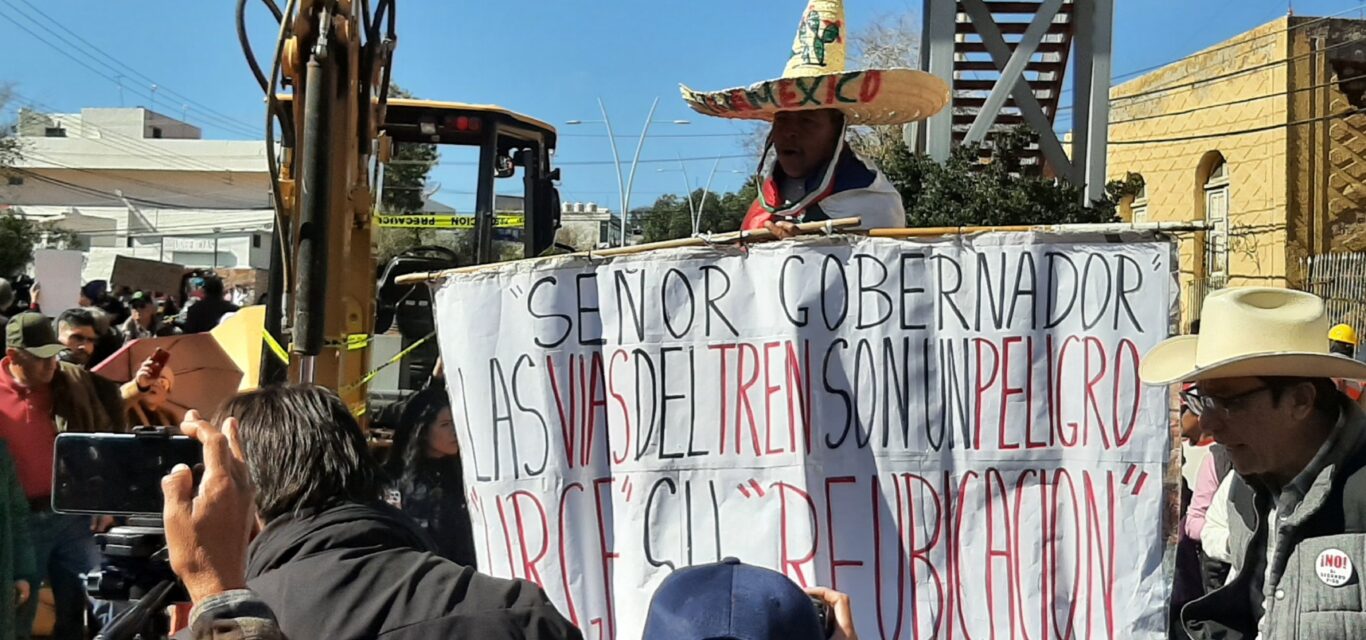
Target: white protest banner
58 273
951 431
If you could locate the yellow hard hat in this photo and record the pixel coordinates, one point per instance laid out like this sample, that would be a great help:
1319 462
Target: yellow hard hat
1343 333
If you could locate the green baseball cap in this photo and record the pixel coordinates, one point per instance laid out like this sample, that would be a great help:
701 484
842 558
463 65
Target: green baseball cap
33 333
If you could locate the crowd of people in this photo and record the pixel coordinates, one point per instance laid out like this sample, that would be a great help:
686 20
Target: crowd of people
47 387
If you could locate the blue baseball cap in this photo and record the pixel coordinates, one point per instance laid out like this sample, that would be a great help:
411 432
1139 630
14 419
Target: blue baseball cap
730 600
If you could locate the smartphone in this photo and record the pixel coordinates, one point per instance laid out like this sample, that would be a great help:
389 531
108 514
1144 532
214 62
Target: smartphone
159 359
116 473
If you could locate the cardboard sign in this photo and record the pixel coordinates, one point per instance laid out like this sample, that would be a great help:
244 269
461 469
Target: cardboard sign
951 431
151 276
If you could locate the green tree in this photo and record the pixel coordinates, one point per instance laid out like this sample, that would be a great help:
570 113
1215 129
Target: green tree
967 192
405 183
670 216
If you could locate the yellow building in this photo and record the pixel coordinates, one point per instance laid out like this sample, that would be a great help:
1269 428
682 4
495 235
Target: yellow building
1262 137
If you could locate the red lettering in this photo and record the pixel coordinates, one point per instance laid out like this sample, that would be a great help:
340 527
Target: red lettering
981 387
528 563
564 555
1093 407
595 402
1063 428
607 554
742 397
835 561
1007 391
993 480
787 96
721 424
875 492
922 554
792 567
799 370
770 390
625 412
1127 346
871 86
568 435
1030 443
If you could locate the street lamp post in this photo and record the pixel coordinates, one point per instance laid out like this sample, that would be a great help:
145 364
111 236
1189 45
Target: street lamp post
624 187
697 208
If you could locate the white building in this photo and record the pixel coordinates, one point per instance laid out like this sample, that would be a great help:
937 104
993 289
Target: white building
586 226
135 182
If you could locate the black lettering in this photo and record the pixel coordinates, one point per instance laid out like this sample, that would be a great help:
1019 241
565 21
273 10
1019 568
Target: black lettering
469 426
863 433
625 297
578 289
800 319
1026 260
664 399
898 385
522 406
498 387
946 293
568 322
711 301
643 441
665 302
1087 321
825 290
984 288
863 289
649 505
1123 300
842 393
906 307
1055 283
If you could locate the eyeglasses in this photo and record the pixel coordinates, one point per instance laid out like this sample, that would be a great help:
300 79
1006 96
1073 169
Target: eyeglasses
1201 403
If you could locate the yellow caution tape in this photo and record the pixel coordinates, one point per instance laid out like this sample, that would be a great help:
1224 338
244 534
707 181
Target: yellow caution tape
353 342
447 221
275 347
392 361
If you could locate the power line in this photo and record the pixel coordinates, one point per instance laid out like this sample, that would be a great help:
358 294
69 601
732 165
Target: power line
1230 45
205 108
65 52
1207 136
1234 102
135 146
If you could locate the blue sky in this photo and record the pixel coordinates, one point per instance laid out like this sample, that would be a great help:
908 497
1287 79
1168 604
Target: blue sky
550 59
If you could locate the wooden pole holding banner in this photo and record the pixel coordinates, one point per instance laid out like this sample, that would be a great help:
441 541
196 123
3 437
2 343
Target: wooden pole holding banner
808 228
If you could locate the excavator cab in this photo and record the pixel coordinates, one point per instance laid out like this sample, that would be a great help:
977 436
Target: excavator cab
508 143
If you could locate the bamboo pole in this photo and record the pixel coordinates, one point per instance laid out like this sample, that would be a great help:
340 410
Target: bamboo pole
807 228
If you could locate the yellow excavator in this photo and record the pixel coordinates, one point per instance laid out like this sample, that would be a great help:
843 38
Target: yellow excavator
328 91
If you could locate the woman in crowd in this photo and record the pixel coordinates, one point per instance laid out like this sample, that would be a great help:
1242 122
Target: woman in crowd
425 472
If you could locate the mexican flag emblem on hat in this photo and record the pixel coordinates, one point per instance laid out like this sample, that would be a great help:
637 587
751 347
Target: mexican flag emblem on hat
816 78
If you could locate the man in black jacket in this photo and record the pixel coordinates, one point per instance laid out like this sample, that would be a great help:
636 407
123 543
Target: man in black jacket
333 561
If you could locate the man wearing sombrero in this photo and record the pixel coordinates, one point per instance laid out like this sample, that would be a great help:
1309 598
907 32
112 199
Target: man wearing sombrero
813 175
1263 388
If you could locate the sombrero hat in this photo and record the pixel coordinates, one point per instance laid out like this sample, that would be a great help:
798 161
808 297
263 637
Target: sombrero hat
815 78
1249 332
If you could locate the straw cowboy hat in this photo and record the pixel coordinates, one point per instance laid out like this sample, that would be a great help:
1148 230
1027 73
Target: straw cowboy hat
1253 331
815 78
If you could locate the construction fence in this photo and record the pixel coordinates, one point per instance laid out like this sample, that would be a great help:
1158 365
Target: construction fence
1340 279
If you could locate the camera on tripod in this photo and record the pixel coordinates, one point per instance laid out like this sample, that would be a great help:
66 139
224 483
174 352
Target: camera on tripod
135 562
120 474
